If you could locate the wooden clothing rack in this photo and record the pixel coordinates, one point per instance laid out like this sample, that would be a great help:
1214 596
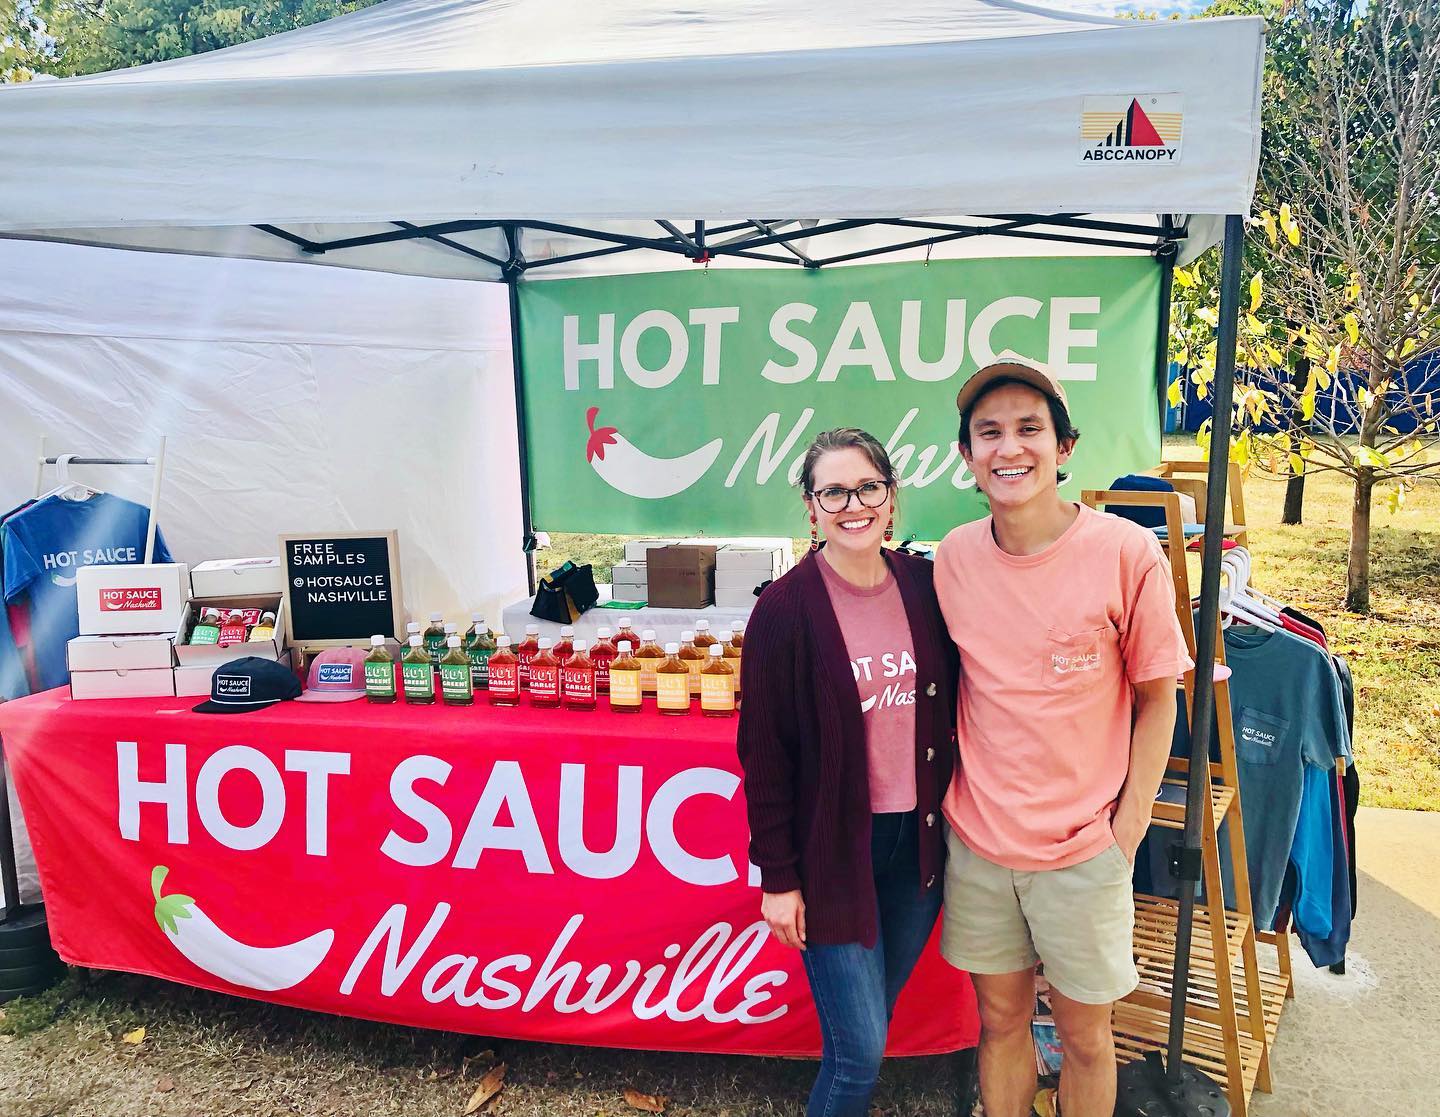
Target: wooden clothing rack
1233 1009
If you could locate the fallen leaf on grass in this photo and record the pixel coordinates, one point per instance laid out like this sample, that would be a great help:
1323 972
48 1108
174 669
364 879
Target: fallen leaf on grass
135 1037
648 1103
489 1086
165 1085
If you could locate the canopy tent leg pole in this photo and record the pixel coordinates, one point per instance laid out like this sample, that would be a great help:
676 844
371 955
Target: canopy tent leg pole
1166 256
512 273
9 874
1176 1090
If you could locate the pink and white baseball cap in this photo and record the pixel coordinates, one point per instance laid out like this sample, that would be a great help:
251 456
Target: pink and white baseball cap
336 675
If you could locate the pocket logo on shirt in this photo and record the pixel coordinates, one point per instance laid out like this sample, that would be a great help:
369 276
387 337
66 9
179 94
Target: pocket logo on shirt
1256 736
1067 664
123 599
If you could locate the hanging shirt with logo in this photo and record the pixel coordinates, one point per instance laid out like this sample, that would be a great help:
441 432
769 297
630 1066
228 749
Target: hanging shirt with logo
45 544
1050 647
882 656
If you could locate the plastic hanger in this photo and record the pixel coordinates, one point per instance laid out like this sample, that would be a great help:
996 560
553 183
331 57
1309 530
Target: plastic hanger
67 489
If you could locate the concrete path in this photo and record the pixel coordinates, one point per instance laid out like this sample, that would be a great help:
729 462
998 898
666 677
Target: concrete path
1368 1044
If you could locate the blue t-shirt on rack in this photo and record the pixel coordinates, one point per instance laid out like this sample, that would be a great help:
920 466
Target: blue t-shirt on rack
1287 712
45 544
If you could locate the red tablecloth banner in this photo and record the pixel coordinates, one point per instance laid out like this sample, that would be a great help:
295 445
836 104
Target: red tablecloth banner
542 875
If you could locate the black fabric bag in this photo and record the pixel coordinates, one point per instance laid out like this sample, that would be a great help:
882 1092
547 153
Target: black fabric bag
565 593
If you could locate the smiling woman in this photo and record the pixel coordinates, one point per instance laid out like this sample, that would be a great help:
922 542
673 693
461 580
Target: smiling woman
845 741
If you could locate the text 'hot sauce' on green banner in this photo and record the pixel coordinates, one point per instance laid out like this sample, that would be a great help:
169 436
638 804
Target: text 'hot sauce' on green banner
683 402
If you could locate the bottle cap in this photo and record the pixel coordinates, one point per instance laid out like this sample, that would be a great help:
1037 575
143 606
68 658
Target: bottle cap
414 641
716 651
687 637
413 626
648 635
727 635
502 641
580 645
739 630
451 629
532 630
624 646
452 641
566 632
672 648
377 641
702 626
603 633
436 618
478 618
546 643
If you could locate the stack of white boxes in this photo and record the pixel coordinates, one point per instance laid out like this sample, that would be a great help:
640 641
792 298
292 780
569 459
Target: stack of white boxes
629 579
131 618
740 570
257 583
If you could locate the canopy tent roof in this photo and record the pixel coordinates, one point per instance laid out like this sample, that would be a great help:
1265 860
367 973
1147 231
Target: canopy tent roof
517 128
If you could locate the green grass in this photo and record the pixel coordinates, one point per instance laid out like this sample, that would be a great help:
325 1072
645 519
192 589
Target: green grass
1394 652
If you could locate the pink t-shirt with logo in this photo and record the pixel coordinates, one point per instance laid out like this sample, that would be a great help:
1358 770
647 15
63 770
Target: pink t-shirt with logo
882 657
1050 645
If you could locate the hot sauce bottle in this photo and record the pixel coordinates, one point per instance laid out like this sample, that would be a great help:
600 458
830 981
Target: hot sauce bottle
565 646
480 646
703 638
577 680
626 632
737 644
456 687
693 659
672 683
379 672
435 638
545 678
601 656
526 652
207 628
233 630
625 694
717 685
650 655
504 674
417 672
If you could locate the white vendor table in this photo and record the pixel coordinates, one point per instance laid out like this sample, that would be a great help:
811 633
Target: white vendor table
667 623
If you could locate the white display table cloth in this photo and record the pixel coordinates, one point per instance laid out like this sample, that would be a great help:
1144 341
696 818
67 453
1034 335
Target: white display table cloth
667 623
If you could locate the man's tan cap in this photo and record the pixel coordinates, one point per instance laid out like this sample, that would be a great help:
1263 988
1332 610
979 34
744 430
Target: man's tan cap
1037 377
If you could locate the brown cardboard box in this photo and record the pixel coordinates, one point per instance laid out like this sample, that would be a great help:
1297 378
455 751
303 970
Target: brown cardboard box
681 577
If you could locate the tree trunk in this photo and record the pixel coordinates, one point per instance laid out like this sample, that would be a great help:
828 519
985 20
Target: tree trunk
1294 499
1357 577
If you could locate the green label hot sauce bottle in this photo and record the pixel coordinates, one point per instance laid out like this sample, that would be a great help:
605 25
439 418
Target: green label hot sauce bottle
417 674
379 672
456 688
480 645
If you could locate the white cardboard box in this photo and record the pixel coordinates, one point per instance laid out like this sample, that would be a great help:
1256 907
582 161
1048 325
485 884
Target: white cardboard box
147 651
212 655
194 682
237 578
150 682
623 592
636 549
763 562
735 591
629 574
131 598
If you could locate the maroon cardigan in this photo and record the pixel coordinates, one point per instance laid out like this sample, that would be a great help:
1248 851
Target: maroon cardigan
802 747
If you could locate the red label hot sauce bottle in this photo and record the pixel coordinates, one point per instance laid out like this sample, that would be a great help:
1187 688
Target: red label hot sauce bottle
525 652
504 674
577 680
545 678
602 655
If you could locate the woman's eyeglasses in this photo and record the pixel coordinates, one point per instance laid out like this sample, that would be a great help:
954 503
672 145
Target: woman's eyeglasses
836 498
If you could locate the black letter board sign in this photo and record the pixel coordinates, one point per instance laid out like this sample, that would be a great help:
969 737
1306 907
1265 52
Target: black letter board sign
341 588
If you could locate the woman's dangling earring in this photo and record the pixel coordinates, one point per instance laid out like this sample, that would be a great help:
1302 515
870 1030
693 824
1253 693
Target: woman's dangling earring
814 536
890 529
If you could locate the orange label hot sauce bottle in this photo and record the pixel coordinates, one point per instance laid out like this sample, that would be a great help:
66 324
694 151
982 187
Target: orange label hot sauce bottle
545 678
504 674
650 655
577 680
625 694
717 685
693 657
672 683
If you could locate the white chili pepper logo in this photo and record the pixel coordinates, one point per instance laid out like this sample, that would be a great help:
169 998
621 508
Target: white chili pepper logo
267 968
624 467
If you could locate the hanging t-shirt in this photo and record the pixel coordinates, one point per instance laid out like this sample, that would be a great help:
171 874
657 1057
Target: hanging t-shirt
13 680
882 656
1286 711
45 544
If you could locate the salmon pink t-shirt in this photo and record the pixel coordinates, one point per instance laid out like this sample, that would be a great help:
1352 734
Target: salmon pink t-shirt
1050 645
882 658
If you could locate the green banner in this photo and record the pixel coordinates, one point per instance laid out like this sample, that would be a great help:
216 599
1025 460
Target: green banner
681 403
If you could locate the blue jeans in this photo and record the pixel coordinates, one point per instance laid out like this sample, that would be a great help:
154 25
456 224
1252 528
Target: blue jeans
855 988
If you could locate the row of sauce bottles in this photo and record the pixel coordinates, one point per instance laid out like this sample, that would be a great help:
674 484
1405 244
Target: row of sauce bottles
570 672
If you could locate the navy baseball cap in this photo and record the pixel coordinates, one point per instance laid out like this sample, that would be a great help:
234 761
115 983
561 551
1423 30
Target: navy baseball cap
249 684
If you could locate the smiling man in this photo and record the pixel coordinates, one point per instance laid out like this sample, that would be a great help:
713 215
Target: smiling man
1069 649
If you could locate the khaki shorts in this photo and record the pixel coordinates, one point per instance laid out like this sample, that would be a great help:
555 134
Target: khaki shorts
1078 920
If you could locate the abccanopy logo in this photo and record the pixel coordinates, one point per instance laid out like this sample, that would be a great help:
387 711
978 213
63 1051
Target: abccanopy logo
1141 129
